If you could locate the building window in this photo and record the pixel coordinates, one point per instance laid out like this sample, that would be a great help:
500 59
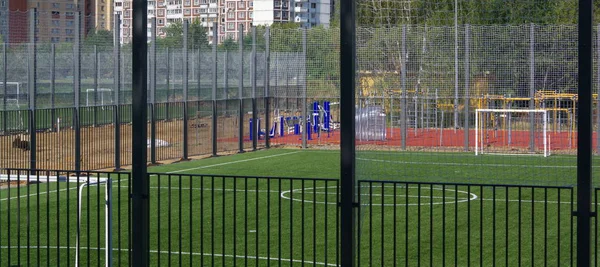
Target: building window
230 15
212 10
56 23
55 39
250 14
161 12
196 11
196 2
285 4
55 31
277 14
55 5
186 12
241 15
69 23
230 26
160 22
241 4
69 31
204 1
313 5
187 3
231 5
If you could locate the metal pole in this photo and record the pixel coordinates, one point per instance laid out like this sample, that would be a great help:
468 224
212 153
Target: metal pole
140 184
117 85
348 134
584 134
4 82
199 74
168 84
532 87
254 109
226 79
52 84
214 90
32 84
108 223
77 90
455 65
267 81
186 26
304 100
153 64
598 96
467 81
241 89
95 69
403 115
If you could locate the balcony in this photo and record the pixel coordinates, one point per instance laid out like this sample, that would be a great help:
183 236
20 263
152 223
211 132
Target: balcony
300 1
300 20
299 9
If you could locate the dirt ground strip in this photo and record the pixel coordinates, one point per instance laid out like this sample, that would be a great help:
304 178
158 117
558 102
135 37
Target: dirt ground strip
56 150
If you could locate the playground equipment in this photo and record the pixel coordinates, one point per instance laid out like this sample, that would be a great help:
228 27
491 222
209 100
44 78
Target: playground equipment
319 120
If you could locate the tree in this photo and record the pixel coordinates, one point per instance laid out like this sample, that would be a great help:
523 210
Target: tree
103 39
197 36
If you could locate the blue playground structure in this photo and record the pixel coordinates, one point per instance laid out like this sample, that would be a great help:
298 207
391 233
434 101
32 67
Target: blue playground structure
319 121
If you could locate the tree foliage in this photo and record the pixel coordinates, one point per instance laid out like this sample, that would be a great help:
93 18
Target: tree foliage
197 35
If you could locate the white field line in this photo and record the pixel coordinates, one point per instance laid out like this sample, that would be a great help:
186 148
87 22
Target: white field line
469 164
178 171
233 162
180 252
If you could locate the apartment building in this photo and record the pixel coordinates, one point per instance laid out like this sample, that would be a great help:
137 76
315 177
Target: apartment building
229 14
55 19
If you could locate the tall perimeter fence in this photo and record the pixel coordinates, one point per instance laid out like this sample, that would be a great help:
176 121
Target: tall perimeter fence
420 84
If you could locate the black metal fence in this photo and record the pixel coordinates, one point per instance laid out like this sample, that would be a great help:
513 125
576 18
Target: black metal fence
100 139
64 217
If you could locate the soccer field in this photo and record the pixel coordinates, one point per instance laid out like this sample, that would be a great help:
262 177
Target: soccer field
416 207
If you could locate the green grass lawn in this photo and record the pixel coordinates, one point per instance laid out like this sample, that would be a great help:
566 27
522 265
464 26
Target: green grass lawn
408 218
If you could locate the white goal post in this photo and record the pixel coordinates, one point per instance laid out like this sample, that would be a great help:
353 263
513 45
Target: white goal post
105 97
511 132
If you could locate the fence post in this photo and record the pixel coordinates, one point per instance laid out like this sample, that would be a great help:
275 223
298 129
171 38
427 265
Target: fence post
199 72
455 73
4 82
52 85
32 86
467 81
168 82
153 92
117 85
598 86
140 187
584 133
403 115
241 90
214 89
95 85
185 89
254 133
226 79
267 83
77 90
532 86
347 141
304 100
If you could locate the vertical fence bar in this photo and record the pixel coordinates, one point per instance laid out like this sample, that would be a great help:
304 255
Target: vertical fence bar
304 100
455 67
467 81
199 74
140 184
95 69
153 64
241 90
254 133
598 88
4 83
52 84
584 133
168 84
32 85
214 90
77 89
347 141
403 115
267 88
117 85
185 89
225 78
532 87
